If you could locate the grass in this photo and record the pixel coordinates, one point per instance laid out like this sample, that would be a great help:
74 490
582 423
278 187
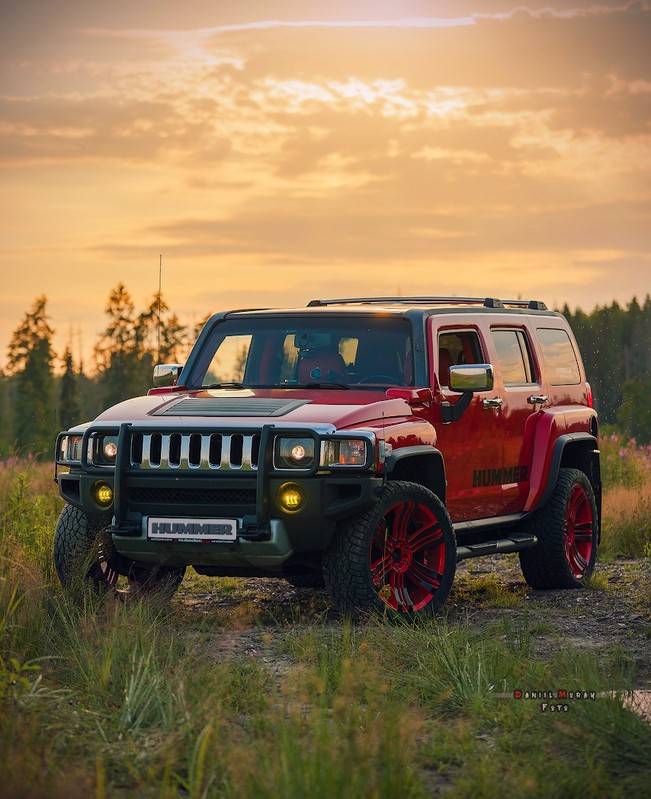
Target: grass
626 474
107 698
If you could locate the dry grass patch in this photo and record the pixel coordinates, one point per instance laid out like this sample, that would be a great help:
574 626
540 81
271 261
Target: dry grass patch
626 528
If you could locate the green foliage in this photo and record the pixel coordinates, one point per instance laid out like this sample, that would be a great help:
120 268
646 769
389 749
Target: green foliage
30 360
69 394
131 344
634 414
615 343
623 461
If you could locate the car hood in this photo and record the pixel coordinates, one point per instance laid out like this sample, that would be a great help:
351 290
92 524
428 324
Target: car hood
337 408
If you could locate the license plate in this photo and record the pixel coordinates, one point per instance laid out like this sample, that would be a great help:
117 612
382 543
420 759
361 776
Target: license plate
165 528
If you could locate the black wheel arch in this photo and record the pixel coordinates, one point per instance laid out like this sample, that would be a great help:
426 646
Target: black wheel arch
576 451
419 464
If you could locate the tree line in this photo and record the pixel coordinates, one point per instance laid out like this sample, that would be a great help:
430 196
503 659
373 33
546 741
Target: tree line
615 342
42 393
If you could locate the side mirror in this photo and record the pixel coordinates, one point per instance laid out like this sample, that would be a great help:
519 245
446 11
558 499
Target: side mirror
166 374
471 377
467 378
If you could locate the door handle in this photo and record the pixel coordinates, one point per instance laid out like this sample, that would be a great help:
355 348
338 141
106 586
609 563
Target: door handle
537 399
493 402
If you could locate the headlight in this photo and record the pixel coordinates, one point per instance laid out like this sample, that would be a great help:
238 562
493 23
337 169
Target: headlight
344 452
294 453
104 450
70 449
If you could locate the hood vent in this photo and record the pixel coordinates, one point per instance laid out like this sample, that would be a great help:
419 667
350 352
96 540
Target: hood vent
218 407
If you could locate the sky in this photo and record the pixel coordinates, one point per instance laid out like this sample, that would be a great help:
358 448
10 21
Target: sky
273 152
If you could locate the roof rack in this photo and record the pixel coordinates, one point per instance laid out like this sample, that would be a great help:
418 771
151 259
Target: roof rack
487 302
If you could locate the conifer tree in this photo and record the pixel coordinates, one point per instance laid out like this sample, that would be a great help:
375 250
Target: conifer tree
69 393
117 353
30 360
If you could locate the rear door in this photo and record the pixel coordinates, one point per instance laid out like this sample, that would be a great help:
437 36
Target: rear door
518 376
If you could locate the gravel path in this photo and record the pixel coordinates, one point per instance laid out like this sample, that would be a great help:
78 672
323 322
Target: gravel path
615 613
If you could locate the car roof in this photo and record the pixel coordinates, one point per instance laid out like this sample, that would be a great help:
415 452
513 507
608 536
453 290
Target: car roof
405 305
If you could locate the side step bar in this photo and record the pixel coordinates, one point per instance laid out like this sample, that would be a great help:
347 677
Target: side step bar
513 544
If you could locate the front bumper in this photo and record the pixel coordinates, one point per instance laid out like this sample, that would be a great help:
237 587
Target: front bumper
267 533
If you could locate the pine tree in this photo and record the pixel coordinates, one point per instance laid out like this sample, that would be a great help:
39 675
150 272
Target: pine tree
117 353
69 393
30 360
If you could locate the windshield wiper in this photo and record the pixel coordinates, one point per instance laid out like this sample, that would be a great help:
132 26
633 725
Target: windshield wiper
323 385
225 385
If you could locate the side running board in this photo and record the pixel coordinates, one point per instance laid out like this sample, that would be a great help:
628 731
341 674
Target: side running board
512 544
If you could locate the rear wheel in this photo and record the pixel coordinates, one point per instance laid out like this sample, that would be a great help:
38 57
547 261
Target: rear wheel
567 528
397 557
86 558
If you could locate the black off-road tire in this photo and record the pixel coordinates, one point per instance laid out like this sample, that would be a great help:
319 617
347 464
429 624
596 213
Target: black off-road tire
398 557
84 557
87 558
567 528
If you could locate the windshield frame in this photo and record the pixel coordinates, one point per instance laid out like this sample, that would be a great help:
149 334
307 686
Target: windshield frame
371 329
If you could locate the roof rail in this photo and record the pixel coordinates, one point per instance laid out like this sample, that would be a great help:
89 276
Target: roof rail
487 302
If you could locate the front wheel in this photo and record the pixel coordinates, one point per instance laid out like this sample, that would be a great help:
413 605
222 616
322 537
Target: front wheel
397 557
87 558
567 528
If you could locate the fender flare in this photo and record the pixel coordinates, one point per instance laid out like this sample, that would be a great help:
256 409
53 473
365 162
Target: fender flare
557 456
404 453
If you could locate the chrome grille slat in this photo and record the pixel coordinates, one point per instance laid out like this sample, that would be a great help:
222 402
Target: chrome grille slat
226 452
165 452
236 452
184 461
204 461
247 453
146 452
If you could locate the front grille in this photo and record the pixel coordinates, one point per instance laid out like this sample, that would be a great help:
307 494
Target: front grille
204 451
191 496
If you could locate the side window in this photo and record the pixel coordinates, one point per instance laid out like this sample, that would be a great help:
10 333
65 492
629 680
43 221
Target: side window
456 347
513 357
559 356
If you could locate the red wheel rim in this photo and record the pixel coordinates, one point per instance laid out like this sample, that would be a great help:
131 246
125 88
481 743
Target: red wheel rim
578 532
407 556
101 572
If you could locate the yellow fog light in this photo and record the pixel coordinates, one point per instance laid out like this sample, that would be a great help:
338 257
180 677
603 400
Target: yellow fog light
290 497
102 494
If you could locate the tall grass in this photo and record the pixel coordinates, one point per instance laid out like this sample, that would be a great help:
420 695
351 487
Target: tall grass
107 698
626 474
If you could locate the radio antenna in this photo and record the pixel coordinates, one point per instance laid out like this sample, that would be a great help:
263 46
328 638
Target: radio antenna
160 285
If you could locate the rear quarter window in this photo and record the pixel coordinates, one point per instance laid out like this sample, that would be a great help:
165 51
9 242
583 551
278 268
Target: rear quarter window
559 356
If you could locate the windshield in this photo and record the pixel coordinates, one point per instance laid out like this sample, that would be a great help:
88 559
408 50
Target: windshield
291 352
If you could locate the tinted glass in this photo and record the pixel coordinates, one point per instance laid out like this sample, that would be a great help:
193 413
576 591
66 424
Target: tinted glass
293 351
513 357
559 357
457 347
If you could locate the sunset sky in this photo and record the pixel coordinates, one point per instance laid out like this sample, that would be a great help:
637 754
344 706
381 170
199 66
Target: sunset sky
282 150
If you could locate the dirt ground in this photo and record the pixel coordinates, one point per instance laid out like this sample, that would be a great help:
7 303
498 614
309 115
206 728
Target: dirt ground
613 615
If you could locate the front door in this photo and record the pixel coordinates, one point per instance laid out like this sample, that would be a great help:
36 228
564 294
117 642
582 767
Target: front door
472 446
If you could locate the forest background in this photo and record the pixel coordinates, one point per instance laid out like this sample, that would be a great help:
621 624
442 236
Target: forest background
43 392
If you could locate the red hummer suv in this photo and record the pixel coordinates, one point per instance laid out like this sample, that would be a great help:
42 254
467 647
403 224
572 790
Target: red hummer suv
370 443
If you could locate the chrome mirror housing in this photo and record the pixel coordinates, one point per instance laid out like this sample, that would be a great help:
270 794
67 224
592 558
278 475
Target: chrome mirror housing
166 374
471 377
